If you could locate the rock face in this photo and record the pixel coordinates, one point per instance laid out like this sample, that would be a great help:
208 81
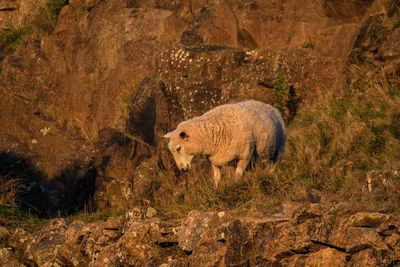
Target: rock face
346 238
84 108
86 105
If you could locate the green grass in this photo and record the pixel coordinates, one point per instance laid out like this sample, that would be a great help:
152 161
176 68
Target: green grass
95 216
12 216
331 146
335 144
11 38
309 45
43 21
396 24
46 17
280 89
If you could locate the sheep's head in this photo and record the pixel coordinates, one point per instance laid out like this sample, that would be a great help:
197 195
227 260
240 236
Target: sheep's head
183 147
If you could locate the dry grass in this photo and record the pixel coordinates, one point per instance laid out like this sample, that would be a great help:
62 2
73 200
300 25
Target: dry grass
332 146
10 189
10 214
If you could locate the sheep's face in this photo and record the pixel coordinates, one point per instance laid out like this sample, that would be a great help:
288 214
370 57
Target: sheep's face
183 148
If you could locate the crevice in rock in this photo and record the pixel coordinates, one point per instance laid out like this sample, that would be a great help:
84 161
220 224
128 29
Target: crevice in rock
165 234
188 252
111 228
358 248
267 83
166 244
329 245
223 241
7 9
301 251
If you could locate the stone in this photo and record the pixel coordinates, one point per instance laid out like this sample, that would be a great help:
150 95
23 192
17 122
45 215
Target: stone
371 257
359 238
367 219
194 229
74 233
307 212
326 257
150 212
9 260
21 239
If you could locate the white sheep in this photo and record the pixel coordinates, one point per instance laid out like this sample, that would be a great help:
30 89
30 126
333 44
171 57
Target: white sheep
229 132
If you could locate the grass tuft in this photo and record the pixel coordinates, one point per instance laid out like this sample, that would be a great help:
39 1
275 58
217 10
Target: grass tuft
309 45
10 189
332 146
12 216
95 216
11 38
46 17
280 89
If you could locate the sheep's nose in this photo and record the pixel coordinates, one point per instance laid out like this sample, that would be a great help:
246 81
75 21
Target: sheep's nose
184 170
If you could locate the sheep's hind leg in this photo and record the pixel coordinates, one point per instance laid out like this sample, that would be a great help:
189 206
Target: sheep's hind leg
241 166
217 174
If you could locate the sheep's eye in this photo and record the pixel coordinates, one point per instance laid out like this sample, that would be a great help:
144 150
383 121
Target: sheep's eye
183 135
178 149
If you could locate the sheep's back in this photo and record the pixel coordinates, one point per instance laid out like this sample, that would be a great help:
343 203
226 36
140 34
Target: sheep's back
267 127
230 128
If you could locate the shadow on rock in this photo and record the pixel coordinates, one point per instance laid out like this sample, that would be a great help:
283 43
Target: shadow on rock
69 192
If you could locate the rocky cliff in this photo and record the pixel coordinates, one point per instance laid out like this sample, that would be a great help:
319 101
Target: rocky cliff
78 100
87 99
293 235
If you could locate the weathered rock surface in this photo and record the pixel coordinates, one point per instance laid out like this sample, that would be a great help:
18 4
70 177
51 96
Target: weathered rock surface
84 109
347 238
88 103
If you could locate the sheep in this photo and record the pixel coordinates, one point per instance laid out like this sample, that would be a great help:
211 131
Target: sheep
240 131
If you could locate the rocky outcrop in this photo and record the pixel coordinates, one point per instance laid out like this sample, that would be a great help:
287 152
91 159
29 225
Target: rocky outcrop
86 105
293 235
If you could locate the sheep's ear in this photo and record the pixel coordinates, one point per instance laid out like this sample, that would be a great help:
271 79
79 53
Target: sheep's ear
168 135
183 135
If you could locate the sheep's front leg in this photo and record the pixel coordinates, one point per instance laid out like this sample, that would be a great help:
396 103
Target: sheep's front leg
241 166
217 174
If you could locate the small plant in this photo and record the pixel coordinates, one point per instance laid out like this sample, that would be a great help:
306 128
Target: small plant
396 24
12 216
10 213
55 6
309 45
95 216
47 15
11 38
279 90
10 189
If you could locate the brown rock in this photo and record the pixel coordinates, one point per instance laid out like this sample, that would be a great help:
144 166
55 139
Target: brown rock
307 212
371 257
367 219
74 233
210 255
195 229
391 47
326 257
21 239
48 242
96 237
283 241
359 238
142 243
9 260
